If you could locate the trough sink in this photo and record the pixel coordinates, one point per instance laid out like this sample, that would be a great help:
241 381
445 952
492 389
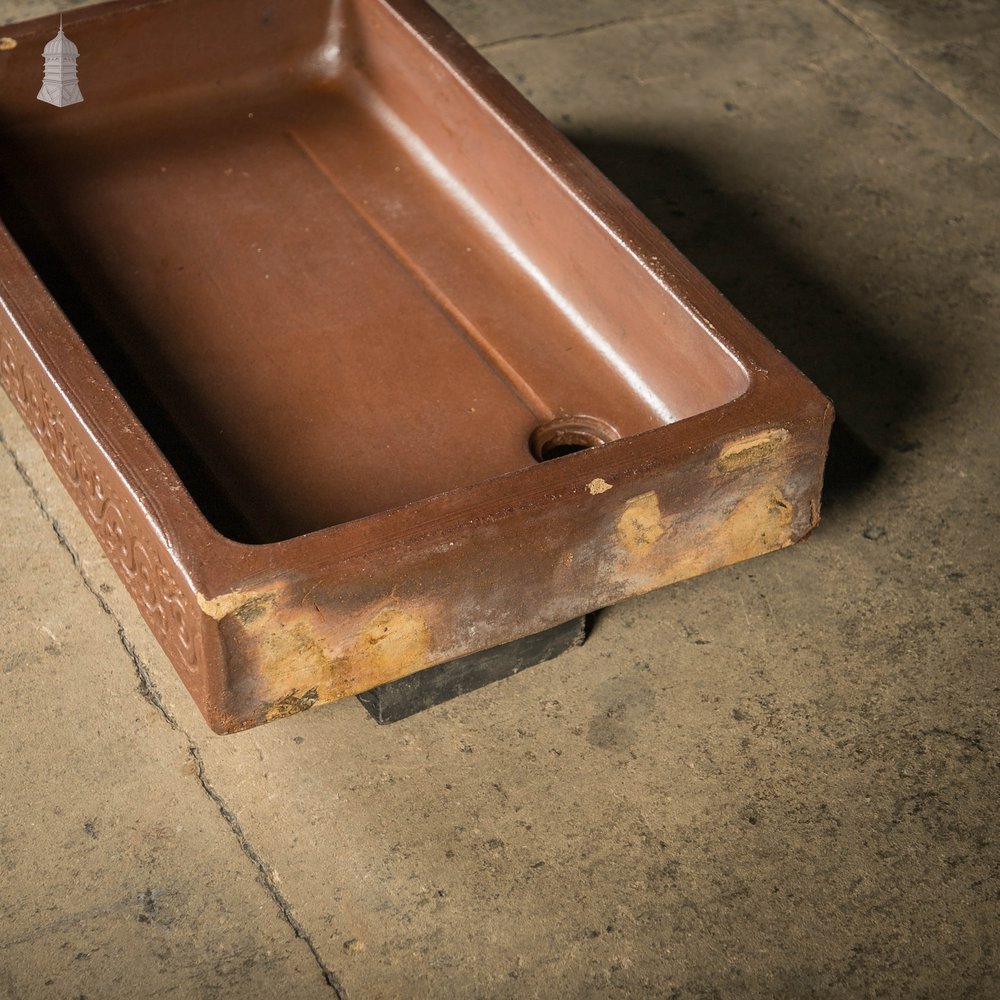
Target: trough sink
351 361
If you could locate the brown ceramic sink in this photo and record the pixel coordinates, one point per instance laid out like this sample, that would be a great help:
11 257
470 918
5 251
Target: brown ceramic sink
300 299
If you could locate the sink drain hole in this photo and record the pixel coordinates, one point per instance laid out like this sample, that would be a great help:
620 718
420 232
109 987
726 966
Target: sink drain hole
565 435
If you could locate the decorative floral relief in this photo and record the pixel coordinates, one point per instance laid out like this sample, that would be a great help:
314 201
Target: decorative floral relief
149 581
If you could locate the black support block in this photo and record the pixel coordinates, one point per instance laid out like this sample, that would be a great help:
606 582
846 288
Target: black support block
426 688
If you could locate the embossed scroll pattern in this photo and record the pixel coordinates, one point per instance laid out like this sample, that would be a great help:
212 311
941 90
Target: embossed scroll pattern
149 581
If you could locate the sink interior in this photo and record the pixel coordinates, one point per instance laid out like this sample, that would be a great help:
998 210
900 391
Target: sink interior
324 302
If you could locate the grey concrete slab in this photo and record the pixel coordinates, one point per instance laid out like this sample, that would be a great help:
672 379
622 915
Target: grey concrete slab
775 780
954 45
119 877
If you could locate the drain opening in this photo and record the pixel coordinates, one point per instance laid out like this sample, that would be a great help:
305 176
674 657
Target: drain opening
566 435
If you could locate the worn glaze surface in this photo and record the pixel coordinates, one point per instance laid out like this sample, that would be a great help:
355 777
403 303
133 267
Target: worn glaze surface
295 308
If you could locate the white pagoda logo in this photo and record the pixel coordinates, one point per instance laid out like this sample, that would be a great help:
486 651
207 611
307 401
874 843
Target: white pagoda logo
60 86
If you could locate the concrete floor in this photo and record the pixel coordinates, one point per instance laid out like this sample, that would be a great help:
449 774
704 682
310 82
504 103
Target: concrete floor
776 780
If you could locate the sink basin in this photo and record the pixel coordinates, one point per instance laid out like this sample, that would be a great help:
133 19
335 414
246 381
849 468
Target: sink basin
352 362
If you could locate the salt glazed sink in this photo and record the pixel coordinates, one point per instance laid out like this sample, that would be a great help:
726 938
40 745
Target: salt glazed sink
351 361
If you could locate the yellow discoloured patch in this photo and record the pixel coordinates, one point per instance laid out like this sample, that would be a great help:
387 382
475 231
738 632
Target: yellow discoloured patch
650 549
759 522
6 44
227 604
295 646
750 450
394 640
305 655
640 525
598 486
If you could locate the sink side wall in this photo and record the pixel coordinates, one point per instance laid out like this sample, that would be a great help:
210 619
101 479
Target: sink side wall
622 311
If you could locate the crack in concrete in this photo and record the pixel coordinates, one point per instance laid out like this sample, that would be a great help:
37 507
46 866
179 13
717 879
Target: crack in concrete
265 873
583 29
586 29
898 56
148 690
